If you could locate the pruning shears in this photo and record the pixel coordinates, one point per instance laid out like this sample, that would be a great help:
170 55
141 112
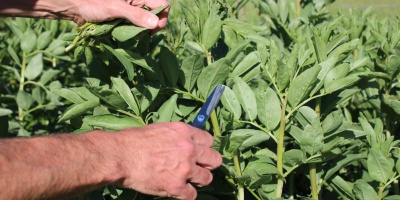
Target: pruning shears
205 111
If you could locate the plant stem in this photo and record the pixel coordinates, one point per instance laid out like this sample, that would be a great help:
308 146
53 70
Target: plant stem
240 194
188 94
281 149
381 189
21 84
215 124
313 166
298 8
254 194
313 180
132 115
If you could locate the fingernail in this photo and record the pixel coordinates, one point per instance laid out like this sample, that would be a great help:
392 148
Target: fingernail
152 22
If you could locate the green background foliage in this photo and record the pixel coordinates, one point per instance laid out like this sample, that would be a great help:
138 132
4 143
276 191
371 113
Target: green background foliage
310 110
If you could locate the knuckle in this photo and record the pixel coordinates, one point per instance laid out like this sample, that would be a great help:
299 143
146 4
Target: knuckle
187 148
184 169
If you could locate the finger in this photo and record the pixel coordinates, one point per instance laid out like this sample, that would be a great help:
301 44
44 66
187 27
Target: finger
202 137
154 4
186 193
207 157
136 15
200 176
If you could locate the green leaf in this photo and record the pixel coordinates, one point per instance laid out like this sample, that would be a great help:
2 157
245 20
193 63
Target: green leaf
236 139
268 106
191 68
337 72
24 100
69 95
28 41
243 28
48 75
306 116
234 52
286 72
345 188
134 58
326 66
258 171
341 84
397 164
191 20
159 10
34 67
363 191
231 103
312 138
393 67
169 65
39 95
211 76
123 33
344 48
44 40
112 122
149 94
77 110
88 55
126 93
246 64
379 167
333 121
246 97
293 157
124 61
343 163
302 85
13 55
256 138
167 110
5 112
109 96
231 39
85 93
211 30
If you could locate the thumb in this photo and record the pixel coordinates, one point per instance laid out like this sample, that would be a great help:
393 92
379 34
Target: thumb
137 16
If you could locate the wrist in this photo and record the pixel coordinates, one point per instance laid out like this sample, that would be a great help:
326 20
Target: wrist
52 9
105 145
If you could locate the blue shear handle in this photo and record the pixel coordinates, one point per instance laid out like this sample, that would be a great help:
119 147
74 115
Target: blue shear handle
199 121
205 111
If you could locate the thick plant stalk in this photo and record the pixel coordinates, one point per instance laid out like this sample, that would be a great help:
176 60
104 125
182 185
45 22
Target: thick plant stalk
313 166
240 192
313 180
281 149
21 84
381 189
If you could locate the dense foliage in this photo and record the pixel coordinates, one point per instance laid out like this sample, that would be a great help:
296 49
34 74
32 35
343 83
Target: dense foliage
310 110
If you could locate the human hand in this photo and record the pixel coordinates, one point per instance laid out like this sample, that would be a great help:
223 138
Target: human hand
165 159
105 10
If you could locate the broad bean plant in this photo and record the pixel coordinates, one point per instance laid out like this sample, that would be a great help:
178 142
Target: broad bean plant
310 108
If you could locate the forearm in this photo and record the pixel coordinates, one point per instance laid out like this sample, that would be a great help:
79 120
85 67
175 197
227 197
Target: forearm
46 167
38 8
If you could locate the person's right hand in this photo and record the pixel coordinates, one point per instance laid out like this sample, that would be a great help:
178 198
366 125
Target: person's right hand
104 10
165 159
